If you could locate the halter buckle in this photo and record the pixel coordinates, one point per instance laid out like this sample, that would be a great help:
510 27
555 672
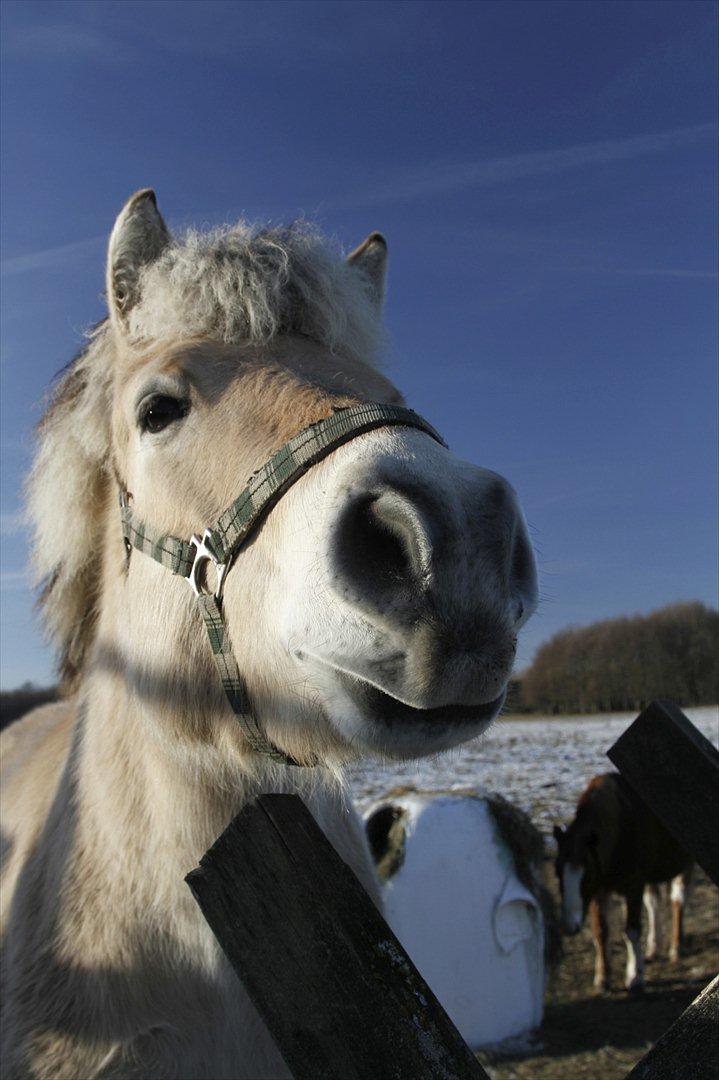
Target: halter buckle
204 555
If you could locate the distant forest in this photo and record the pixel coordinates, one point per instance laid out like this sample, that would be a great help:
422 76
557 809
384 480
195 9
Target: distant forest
15 703
610 666
621 664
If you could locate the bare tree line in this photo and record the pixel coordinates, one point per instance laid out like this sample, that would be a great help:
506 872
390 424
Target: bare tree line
15 703
621 664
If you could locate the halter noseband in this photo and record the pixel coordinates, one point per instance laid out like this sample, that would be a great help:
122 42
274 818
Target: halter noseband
221 542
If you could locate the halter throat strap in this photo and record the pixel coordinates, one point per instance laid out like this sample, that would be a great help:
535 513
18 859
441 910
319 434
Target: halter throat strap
221 543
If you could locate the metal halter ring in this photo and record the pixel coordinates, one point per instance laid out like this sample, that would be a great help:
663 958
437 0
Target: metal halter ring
125 500
204 555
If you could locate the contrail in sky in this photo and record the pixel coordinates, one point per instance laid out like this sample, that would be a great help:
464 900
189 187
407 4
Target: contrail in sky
441 177
437 179
50 257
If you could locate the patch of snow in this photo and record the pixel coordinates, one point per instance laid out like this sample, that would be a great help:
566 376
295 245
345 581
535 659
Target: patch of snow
542 764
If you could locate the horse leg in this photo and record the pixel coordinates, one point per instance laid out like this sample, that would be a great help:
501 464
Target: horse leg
634 979
679 889
598 914
654 933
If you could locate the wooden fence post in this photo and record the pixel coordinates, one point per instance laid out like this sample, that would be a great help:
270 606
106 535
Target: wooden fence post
337 991
675 770
689 1049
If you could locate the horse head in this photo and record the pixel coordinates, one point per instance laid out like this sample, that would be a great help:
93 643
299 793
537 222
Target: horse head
577 869
376 606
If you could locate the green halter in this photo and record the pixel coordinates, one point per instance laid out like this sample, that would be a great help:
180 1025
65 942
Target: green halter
221 542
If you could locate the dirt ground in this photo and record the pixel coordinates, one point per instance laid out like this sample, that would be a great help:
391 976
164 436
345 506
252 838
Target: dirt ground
603 1036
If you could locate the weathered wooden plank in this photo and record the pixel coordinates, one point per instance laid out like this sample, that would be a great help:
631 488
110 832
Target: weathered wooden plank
340 996
689 1049
675 770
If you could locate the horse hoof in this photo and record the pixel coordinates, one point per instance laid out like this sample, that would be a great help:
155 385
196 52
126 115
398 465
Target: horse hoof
635 989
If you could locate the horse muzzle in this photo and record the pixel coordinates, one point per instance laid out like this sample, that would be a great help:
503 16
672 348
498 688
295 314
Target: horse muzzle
444 579
429 574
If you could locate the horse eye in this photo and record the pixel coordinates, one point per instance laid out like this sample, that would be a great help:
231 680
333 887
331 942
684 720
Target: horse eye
160 411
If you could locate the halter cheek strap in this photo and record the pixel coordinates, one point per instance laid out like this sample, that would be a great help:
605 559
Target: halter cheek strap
221 542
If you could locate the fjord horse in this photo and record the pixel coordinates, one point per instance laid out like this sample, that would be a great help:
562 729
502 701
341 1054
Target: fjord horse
373 609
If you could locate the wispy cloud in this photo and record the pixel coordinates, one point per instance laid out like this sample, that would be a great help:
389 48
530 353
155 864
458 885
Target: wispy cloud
672 272
70 41
442 177
204 30
49 258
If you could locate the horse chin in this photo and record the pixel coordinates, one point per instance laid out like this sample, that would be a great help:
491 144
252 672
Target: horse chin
374 721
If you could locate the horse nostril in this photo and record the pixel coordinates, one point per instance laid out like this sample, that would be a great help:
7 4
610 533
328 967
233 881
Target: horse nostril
381 547
523 575
385 541
522 560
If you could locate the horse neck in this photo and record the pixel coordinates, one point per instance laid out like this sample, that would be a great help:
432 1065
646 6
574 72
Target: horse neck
152 763
598 815
161 759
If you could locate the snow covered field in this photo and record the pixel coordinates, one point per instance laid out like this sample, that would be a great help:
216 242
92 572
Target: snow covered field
540 764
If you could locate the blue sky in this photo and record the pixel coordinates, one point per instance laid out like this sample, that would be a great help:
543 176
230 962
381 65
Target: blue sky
544 172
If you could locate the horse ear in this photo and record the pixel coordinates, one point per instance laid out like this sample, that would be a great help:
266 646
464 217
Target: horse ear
370 258
138 238
558 832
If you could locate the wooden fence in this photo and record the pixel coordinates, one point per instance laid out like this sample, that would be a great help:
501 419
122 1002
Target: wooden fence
336 989
339 994
675 770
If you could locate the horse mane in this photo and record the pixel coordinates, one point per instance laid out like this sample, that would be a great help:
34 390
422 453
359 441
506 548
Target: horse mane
66 494
240 283
235 284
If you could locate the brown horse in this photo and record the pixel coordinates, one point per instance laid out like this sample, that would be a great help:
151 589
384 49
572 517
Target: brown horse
616 845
